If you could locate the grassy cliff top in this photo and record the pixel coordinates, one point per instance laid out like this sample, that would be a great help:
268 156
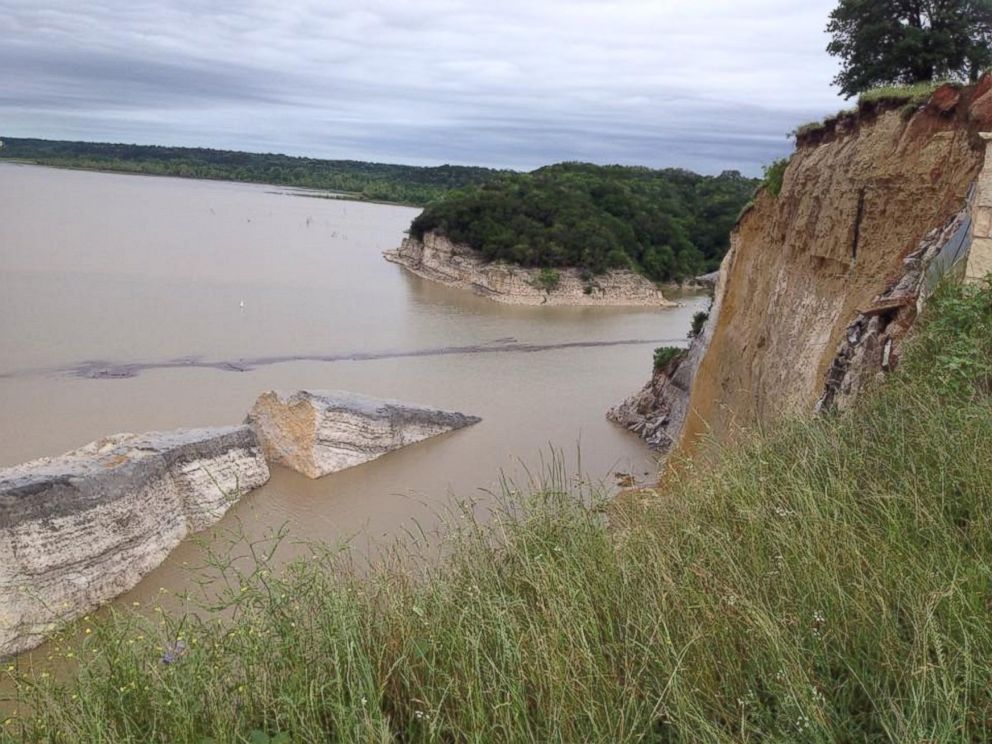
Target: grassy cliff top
908 98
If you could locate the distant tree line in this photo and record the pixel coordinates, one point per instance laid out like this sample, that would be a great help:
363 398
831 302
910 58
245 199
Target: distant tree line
666 224
401 184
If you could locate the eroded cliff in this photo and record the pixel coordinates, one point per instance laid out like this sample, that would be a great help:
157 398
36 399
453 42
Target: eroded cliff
866 202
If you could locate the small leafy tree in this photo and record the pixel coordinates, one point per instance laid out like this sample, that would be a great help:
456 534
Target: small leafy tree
901 42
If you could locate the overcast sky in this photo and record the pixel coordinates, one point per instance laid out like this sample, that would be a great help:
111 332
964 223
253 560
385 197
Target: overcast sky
702 84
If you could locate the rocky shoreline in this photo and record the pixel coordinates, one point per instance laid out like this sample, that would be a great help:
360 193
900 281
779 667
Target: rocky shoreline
658 412
438 259
80 529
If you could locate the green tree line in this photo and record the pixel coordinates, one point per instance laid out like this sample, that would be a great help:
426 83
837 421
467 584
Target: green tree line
402 184
667 224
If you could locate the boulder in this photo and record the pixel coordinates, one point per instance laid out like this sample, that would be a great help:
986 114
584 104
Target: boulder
80 529
317 432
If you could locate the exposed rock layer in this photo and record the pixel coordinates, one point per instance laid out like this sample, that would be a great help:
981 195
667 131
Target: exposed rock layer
857 199
317 432
872 343
658 412
438 259
80 529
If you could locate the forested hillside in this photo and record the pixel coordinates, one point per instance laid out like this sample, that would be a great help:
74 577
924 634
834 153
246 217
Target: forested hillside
667 224
403 184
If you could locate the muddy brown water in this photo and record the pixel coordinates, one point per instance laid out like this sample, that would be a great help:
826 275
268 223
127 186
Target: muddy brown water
121 310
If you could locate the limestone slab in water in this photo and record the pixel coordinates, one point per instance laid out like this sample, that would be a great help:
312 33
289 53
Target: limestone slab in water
82 528
317 432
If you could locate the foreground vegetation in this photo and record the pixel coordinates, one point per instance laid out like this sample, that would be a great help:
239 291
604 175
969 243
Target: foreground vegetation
401 184
667 224
827 582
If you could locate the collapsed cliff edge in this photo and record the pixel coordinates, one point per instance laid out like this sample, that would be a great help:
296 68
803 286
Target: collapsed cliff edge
824 280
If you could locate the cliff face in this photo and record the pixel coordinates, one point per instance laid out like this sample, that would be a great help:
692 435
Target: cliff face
658 412
438 259
862 204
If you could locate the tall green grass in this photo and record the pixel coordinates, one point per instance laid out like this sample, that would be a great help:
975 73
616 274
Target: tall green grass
830 581
916 94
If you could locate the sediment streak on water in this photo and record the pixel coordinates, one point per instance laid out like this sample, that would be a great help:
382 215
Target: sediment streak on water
107 370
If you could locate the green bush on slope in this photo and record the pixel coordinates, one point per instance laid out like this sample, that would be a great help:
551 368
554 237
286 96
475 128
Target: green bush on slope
827 582
775 176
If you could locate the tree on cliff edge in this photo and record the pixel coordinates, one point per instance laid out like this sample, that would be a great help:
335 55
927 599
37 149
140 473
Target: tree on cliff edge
889 42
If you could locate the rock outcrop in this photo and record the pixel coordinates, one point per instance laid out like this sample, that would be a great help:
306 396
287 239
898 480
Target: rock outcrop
438 259
658 412
872 342
317 432
80 529
864 200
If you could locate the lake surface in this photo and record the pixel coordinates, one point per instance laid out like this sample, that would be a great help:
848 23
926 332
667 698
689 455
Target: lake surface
104 274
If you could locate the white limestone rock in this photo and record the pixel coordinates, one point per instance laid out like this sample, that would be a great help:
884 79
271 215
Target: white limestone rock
438 259
80 529
317 432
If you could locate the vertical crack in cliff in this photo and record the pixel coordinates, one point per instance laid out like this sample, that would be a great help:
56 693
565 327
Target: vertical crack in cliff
858 219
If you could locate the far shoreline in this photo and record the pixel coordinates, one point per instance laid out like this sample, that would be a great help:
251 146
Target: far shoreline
315 193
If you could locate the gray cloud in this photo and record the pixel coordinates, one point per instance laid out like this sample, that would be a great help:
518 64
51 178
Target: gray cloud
708 84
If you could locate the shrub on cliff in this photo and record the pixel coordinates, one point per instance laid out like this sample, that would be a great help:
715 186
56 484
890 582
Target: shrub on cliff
698 323
668 224
826 581
665 355
547 279
775 175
